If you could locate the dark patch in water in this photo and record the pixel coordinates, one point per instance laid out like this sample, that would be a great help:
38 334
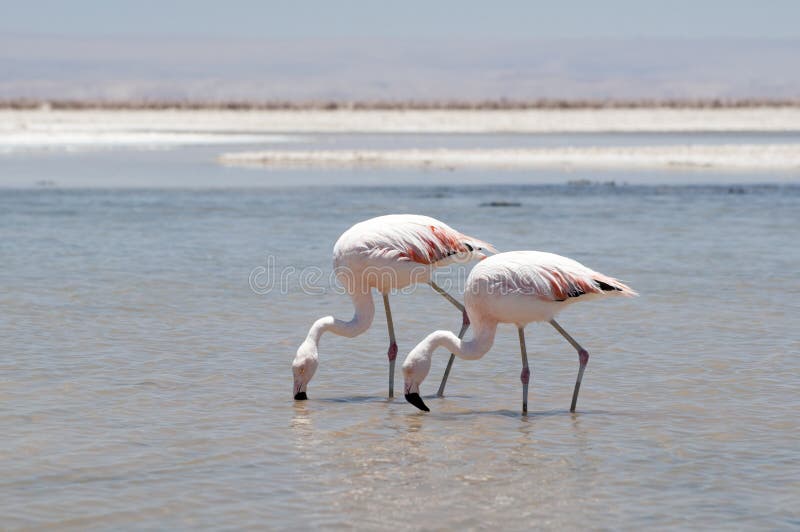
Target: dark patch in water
501 204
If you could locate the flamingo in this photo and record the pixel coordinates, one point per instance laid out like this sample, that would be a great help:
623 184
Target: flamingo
385 253
516 287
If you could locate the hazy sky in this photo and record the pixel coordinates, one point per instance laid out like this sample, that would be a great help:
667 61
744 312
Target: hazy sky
434 49
411 18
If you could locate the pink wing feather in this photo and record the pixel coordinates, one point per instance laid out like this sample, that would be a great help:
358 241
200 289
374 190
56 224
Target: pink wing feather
417 238
434 243
556 278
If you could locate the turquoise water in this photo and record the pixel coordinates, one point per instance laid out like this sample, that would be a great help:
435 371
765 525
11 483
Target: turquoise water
146 383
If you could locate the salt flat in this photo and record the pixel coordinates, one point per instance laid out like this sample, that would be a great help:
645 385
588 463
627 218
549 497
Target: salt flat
756 119
729 156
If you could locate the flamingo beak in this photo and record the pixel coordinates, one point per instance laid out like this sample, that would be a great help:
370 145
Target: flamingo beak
299 395
417 401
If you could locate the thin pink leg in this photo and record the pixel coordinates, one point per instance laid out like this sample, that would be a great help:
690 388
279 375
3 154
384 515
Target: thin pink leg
525 376
464 327
392 353
583 359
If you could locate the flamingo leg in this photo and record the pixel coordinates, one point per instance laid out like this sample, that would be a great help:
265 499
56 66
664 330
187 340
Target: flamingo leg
525 375
453 301
583 359
392 352
464 327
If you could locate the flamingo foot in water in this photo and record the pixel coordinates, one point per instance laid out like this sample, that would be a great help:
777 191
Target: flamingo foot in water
583 358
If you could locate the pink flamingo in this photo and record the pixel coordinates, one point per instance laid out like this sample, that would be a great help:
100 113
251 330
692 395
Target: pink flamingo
386 253
517 287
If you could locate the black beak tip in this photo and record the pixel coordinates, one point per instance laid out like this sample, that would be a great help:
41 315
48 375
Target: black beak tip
416 400
300 396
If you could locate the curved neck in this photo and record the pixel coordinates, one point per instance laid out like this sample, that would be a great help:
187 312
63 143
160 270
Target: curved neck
479 345
362 319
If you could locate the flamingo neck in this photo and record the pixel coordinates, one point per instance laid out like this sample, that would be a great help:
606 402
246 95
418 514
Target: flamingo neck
481 342
362 319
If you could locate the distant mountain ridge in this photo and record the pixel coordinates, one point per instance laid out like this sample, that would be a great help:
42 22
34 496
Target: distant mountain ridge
359 70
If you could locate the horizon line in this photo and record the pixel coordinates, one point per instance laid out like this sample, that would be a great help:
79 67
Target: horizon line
399 104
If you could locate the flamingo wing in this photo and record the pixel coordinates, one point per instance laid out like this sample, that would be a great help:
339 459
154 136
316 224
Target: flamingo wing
555 278
424 240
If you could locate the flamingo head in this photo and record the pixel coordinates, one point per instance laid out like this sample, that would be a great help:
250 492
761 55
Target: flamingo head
305 364
415 368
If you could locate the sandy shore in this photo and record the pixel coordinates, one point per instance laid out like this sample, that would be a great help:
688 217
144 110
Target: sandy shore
745 157
757 119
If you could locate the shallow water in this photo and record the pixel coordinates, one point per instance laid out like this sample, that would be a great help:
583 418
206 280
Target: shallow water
145 383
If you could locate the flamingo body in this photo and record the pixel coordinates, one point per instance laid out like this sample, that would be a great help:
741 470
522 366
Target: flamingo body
521 287
384 253
397 250
516 287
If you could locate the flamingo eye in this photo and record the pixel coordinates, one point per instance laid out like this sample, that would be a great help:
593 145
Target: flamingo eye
302 370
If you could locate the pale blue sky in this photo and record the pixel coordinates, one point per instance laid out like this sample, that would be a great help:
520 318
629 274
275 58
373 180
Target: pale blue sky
400 49
324 19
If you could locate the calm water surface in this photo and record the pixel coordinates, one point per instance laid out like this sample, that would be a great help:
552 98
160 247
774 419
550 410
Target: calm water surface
145 384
